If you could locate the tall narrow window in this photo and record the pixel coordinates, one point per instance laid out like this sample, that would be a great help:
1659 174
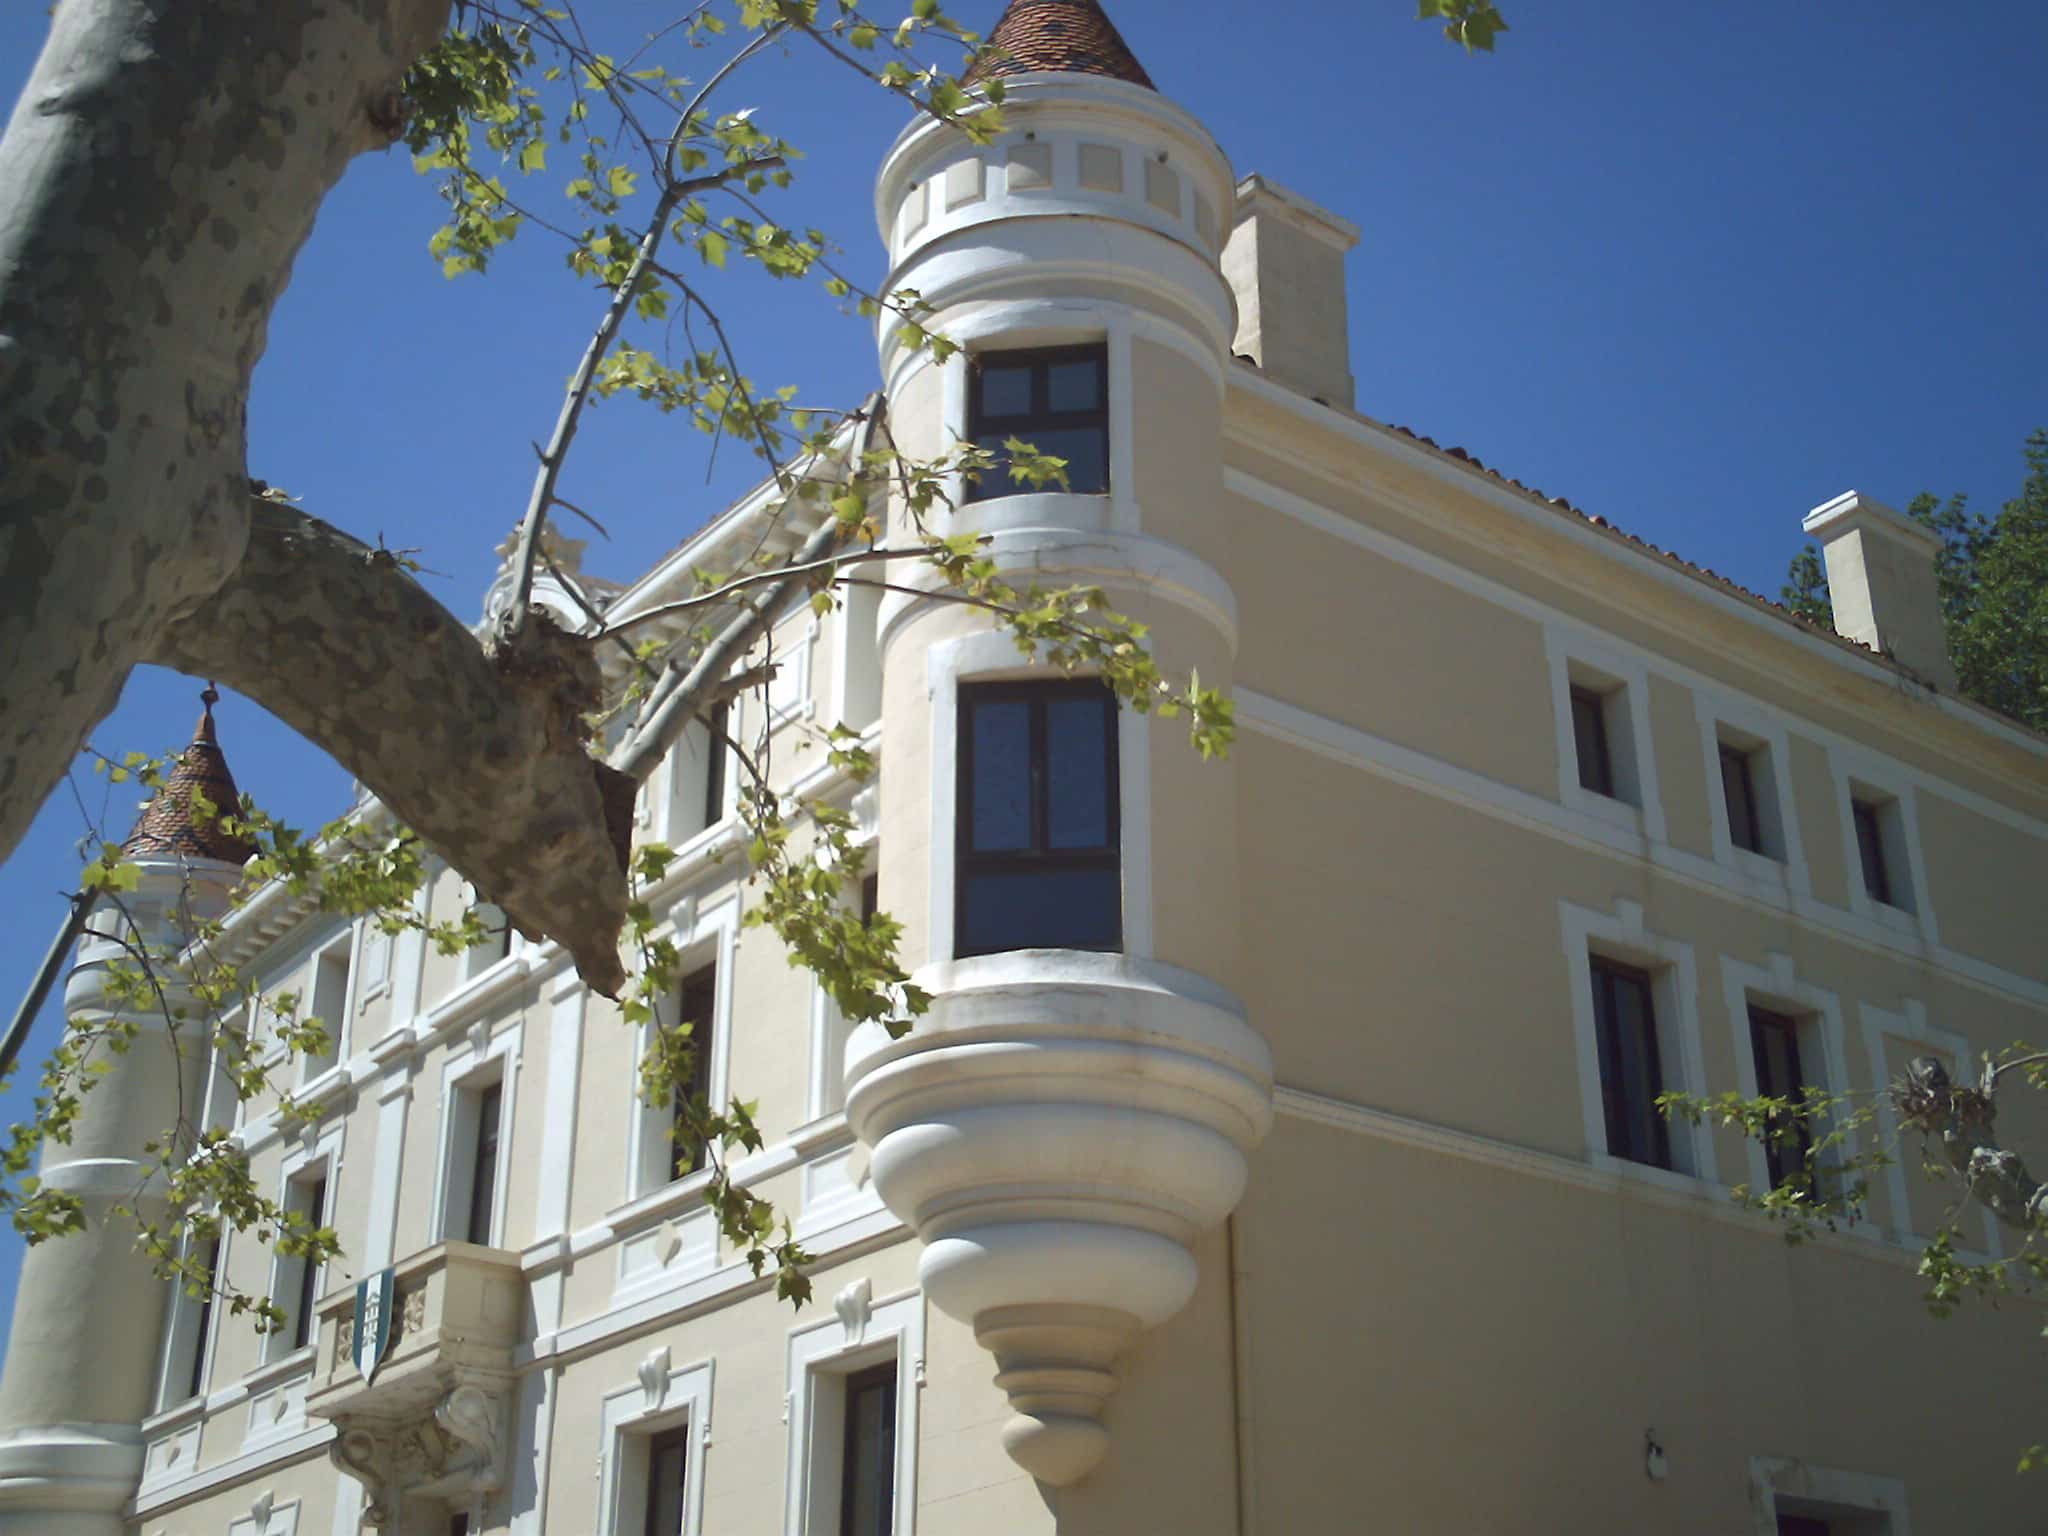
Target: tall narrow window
1057 401
1774 1042
1631 1075
714 765
1589 734
483 1184
1738 790
1039 860
1803 1525
202 1326
867 1488
309 1198
870 897
696 1007
1877 876
327 1001
668 1473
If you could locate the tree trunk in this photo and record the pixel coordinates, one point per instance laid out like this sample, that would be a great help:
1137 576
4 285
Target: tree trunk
157 179
481 753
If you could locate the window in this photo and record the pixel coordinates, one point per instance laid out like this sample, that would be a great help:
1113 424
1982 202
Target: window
496 945
1774 1043
300 1281
1802 1525
327 1001
483 1186
1589 734
1057 401
1739 791
1881 848
475 1152
202 1329
870 898
695 1007
1039 862
668 1472
867 1480
1631 1074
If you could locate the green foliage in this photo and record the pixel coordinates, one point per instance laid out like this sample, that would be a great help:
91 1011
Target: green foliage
1471 24
1806 588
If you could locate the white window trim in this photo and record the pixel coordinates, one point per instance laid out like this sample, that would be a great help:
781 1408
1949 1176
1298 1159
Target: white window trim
1775 1477
1628 674
1909 1022
1779 879
861 1335
826 1094
791 645
662 1399
480 1059
1850 767
326 1148
340 1036
992 657
374 944
1777 988
675 816
1620 935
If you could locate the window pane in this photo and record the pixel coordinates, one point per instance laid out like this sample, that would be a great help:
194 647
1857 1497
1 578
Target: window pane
1870 847
1077 772
668 1471
1086 450
1631 1075
1075 386
1005 391
1041 909
1001 791
1774 1043
1589 730
483 1184
867 1493
1739 792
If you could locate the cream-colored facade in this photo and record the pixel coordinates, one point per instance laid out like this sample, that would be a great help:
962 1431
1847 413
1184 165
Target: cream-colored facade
1297 1211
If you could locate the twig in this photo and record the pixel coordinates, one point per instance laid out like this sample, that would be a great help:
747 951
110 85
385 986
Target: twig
673 192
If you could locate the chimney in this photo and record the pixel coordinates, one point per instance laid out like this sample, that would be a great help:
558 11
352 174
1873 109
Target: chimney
1285 262
1881 580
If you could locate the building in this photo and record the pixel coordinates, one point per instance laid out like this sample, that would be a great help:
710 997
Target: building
1278 1155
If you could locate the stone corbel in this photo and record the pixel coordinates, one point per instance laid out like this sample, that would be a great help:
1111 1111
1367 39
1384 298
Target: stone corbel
454 1455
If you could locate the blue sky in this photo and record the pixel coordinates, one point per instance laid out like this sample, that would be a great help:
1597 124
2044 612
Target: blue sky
1696 268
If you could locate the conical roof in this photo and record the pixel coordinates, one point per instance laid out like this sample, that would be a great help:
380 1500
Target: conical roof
167 826
1071 35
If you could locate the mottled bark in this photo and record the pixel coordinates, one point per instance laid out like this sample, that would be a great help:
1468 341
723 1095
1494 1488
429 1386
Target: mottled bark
481 752
1959 1119
157 179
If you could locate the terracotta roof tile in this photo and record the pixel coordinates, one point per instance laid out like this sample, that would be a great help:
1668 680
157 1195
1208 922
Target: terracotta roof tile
167 827
1074 36
1701 571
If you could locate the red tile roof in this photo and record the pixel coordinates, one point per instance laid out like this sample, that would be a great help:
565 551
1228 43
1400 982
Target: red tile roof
1070 35
167 826
1558 503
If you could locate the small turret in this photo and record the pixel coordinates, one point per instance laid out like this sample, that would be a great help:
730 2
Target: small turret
83 1353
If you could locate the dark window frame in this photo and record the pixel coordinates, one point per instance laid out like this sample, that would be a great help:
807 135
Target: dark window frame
697 994
1040 418
1590 741
483 1172
1632 1129
676 1438
309 1272
1783 1159
1868 817
882 1378
1745 819
1039 855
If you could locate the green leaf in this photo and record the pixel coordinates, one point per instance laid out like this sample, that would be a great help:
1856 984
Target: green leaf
534 157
